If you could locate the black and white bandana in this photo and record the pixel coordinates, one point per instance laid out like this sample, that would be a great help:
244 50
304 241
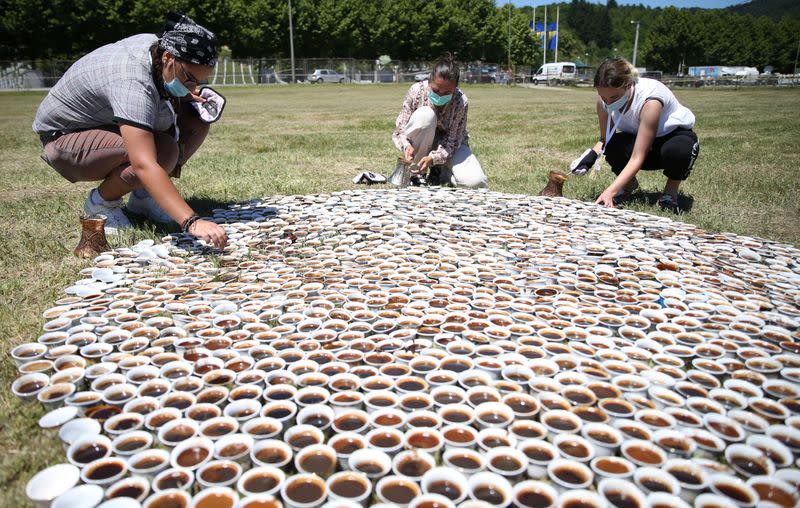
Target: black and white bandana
188 41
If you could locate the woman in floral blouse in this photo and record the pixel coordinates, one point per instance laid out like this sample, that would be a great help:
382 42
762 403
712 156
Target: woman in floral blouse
431 129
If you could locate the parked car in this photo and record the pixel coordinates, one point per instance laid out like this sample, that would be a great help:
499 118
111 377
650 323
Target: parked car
486 74
327 76
286 75
422 75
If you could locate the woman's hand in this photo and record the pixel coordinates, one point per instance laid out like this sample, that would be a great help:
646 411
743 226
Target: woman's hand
195 96
209 231
424 164
606 198
409 153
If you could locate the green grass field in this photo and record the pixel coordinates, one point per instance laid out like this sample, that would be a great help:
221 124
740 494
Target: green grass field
303 139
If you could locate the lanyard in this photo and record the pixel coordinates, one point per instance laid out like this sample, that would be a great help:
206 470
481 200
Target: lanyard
610 130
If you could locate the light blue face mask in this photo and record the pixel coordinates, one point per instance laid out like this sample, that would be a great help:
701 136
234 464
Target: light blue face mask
617 105
439 100
175 88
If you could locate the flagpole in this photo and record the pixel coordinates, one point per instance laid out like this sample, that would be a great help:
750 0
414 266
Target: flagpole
510 9
558 12
533 27
544 40
291 40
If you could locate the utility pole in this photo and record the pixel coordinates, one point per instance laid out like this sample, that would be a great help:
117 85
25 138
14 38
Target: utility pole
533 27
510 7
635 42
291 40
558 13
544 39
795 57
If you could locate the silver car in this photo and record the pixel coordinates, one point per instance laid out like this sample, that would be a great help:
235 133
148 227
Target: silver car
327 76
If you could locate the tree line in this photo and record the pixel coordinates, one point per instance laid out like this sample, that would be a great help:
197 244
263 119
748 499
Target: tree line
411 30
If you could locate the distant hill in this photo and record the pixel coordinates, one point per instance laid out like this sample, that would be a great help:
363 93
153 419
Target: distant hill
775 9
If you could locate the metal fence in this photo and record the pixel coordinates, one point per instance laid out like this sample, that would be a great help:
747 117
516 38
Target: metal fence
38 74
262 71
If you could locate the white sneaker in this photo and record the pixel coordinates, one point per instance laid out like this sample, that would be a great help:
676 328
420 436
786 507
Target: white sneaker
115 218
147 207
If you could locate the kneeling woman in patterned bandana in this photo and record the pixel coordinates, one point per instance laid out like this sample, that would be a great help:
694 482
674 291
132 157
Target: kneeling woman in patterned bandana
130 114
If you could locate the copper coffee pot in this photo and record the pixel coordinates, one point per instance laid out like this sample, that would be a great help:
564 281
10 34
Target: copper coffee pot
554 185
93 236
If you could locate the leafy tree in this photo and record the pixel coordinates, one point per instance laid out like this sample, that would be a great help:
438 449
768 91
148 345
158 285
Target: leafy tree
413 30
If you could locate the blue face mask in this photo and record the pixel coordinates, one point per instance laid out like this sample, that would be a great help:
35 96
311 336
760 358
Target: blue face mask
175 88
617 105
439 100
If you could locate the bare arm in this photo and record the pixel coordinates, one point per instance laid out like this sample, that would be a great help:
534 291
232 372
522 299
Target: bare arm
399 135
602 118
142 154
648 126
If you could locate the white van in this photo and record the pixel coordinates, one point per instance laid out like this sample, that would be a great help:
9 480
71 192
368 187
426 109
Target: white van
557 70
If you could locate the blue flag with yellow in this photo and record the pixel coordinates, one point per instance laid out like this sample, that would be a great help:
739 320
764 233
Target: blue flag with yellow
552 33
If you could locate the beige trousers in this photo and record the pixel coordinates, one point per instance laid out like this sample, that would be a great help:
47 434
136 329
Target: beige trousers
461 170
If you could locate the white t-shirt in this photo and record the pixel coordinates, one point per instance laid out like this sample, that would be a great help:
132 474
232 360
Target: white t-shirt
673 113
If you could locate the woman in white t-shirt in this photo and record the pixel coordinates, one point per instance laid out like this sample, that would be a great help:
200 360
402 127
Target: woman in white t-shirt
642 126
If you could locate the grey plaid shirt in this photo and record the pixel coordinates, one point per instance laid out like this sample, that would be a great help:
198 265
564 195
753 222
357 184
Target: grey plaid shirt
111 85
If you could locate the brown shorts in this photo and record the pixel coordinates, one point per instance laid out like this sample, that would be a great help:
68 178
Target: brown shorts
95 154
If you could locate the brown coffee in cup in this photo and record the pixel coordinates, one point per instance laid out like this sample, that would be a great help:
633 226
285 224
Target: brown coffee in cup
445 488
464 461
320 462
173 480
385 440
532 497
263 481
218 474
350 486
181 433
612 465
424 440
192 456
506 463
272 455
305 490
216 500
169 500
643 454
622 499
735 492
89 452
570 474
369 468
655 484
460 435
422 421
105 469
399 491
489 493
132 490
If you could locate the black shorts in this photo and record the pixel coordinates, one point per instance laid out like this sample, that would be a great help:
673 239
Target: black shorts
675 153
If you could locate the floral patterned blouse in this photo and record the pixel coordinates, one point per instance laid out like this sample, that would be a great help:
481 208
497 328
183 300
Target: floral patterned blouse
451 119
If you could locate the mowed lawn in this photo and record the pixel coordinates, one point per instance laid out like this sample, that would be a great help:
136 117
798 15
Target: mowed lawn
309 139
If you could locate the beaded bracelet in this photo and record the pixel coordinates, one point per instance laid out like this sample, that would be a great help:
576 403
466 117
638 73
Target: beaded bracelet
188 222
